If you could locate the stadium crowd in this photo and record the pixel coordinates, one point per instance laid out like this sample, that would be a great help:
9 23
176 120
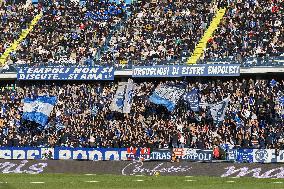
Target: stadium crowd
161 31
145 32
82 116
69 33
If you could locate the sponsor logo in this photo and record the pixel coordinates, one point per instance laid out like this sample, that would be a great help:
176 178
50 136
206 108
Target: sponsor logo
255 172
139 168
8 167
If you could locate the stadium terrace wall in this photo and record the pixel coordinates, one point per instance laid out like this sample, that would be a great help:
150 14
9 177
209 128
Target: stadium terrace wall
141 154
142 168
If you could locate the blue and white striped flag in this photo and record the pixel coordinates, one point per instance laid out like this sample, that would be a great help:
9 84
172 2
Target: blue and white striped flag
39 109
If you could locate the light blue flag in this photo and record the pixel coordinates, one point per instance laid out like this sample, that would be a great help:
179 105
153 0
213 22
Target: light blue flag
39 109
281 103
59 126
167 96
3 109
218 110
281 100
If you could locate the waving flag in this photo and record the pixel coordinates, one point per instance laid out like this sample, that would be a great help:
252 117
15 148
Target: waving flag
122 100
94 110
192 99
128 96
167 96
38 109
218 110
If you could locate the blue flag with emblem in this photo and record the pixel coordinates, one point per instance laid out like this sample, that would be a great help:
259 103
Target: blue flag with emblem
39 109
193 100
167 96
218 110
122 100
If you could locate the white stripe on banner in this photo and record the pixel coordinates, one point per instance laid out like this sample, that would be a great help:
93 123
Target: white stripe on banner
40 107
28 107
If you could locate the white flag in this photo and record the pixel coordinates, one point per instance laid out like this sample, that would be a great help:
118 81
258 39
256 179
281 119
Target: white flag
218 110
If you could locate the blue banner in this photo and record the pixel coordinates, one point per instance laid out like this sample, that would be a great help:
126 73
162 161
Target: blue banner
66 73
244 155
90 153
97 154
63 153
185 154
183 70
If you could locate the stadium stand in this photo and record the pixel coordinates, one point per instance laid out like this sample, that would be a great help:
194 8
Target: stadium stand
82 117
69 33
145 33
249 29
15 18
161 31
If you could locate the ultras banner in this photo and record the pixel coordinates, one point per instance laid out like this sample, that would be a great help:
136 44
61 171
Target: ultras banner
66 73
183 70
